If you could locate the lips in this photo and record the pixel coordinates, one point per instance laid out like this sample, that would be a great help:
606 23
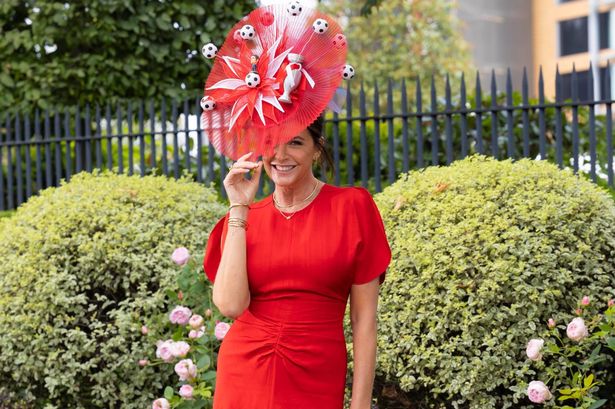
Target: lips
284 168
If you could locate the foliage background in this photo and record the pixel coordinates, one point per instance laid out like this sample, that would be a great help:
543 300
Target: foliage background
484 251
56 53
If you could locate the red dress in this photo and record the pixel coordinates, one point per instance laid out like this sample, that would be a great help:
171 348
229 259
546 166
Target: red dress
287 349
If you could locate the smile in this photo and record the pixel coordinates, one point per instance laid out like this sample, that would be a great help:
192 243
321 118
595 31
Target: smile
284 168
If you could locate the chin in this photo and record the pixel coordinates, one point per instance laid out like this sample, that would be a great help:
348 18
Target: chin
284 181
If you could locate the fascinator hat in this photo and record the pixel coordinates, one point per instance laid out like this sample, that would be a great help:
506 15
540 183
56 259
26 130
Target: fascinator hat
278 69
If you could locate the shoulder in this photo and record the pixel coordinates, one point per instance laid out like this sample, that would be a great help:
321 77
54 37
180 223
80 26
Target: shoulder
349 196
349 192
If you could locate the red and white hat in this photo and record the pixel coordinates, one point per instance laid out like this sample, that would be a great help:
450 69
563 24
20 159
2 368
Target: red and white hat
278 69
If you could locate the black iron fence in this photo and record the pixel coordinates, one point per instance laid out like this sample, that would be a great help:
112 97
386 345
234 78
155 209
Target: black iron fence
382 133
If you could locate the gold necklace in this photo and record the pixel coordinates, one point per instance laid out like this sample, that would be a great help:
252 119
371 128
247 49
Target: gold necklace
287 217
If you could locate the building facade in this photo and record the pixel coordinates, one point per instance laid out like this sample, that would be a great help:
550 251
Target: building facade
552 34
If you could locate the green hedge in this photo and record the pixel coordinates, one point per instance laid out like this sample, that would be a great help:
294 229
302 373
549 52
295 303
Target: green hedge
483 250
83 267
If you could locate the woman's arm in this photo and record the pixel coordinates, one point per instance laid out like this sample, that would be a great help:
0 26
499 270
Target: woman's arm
363 305
231 293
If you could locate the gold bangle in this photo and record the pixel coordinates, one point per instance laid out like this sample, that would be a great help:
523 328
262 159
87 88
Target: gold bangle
238 222
237 205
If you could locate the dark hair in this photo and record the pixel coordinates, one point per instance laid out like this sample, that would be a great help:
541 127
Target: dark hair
316 130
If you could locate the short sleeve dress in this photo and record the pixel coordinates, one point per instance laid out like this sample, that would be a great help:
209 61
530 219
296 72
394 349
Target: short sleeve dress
287 349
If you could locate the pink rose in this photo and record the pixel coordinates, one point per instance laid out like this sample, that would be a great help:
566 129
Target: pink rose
164 350
208 312
611 303
143 362
576 329
221 330
180 315
194 334
180 349
538 392
185 369
551 323
578 311
180 256
161 403
180 295
585 301
196 321
144 330
533 349
186 391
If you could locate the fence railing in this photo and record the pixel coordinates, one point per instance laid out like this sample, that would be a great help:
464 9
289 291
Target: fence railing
388 133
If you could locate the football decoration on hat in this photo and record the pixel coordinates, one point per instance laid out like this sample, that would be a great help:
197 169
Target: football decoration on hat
339 41
348 72
247 32
294 8
209 50
267 18
253 80
207 103
264 91
320 26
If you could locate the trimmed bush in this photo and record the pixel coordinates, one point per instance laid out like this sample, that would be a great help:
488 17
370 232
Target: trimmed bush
483 250
83 267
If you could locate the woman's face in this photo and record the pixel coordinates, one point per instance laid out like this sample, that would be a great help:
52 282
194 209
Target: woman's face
291 163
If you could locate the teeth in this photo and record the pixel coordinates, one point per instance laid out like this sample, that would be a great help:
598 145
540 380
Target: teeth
284 167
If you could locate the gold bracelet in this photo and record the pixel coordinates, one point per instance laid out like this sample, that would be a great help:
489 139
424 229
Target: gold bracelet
237 205
238 222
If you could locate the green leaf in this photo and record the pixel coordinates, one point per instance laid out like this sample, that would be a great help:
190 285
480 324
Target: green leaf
588 380
6 80
184 22
597 404
553 348
168 392
209 376
204 362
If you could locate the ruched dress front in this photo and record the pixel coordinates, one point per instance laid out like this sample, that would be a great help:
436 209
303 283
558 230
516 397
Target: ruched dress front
287 349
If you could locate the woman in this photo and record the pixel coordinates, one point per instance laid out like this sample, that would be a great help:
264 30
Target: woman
284 268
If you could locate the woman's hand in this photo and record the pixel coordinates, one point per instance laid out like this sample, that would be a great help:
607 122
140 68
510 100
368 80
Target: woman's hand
238 188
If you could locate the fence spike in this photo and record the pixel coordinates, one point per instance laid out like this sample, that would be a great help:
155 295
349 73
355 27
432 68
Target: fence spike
419 96
590 83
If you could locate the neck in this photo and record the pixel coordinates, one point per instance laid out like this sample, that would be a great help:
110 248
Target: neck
289 195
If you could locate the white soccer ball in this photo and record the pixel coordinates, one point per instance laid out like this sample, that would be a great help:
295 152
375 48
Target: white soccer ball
209 50
320 26
294 8
253 80
348 72
247 32
208 104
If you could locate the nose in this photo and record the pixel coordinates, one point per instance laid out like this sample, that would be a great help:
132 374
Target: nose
280 151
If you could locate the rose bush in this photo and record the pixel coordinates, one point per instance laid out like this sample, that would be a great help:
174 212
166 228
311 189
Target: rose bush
578 365
189 339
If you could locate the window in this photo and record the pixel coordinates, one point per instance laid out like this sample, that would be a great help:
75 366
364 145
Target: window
583 84
573 34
